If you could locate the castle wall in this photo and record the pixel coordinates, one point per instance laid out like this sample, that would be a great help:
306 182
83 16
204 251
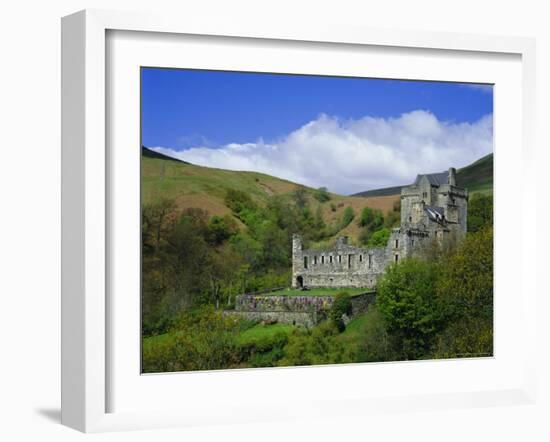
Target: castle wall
346 266
296 310
341 266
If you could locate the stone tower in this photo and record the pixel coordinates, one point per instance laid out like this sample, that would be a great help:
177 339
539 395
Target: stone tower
297 261
434 206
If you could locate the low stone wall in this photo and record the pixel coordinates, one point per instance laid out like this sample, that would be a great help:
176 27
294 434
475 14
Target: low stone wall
269 303
296 310
294 318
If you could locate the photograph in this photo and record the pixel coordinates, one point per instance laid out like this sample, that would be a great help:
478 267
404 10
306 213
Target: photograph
298 220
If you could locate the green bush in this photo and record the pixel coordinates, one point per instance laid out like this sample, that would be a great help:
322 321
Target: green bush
321 195
480 212
406 298
201 340
340 307
379 238
317 346
347 217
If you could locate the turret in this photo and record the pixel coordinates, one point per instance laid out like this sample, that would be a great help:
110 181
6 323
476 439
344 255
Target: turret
342 241
297 261
452 176
296 243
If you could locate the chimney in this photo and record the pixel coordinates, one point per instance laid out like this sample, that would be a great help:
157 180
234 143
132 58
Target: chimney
452 176
342 241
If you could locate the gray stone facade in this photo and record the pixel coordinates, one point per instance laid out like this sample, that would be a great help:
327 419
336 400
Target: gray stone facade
433 208
296 310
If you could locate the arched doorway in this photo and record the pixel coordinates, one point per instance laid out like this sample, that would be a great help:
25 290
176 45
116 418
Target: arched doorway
299 282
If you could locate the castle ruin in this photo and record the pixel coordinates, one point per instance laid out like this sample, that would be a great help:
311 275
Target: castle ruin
433 208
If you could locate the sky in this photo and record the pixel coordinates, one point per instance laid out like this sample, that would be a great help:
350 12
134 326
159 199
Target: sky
346 134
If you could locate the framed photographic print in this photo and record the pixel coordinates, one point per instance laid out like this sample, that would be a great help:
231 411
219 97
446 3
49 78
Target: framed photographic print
256 213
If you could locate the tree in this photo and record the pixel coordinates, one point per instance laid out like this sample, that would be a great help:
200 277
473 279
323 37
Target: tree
406 298
317 346
201 340
300 197
154 223
340 307
347 217
220 229
367 217
322 195
379 238
377 345
465 289
480 212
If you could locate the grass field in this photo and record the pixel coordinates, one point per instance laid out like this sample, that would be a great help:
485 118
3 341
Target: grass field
251 336
318 292
152 341
262 332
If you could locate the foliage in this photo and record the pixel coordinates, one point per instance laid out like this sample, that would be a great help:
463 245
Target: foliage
300 197
317 346
202 340
321 195
465 289
379 238
480 212
375 228
407 302
377 344
340 307
221 229
347 217
262 345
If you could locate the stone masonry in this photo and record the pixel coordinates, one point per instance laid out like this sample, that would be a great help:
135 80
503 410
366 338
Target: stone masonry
432 208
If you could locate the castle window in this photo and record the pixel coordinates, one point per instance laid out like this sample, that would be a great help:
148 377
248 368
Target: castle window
339 258
370 261
396 243
350 259
305 262
424 194
410 219
396 258
314 259
330 259
412 242
360 258
322 259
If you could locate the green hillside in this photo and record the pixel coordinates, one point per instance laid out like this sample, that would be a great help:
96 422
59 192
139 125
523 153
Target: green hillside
192 186
477 178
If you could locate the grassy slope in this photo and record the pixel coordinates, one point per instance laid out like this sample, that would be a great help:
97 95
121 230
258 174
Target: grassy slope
261 332
477 177
204 187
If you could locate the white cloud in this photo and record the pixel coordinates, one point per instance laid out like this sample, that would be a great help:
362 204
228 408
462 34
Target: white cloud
349 156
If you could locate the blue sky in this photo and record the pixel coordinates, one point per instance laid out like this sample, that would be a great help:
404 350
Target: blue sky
276 124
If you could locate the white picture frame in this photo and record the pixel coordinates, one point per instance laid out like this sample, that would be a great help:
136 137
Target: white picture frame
86 206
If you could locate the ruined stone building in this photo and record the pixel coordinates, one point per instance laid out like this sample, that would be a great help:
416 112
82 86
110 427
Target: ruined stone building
433 208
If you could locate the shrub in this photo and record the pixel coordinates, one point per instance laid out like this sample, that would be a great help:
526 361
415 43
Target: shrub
347 217
317 346
379 238
480 212
201 340
322 195
340 307
406 298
